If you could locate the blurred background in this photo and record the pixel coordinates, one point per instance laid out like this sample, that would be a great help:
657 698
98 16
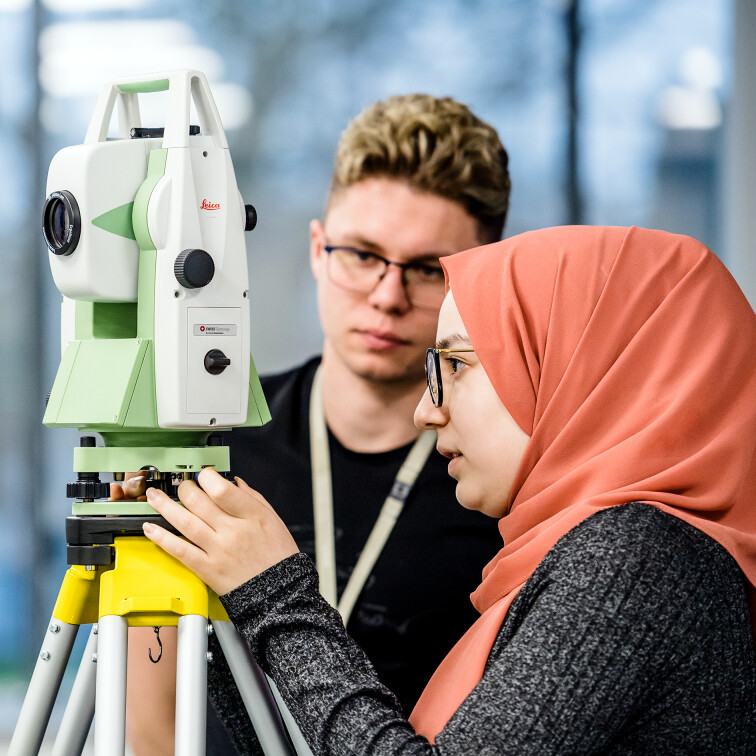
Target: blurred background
613 112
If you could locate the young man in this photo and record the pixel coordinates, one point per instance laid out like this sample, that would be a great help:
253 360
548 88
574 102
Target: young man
416 178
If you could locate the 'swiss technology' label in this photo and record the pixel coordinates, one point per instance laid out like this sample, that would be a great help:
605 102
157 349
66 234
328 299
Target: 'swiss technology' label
206 329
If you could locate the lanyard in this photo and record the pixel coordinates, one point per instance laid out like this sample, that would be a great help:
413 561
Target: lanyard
322 498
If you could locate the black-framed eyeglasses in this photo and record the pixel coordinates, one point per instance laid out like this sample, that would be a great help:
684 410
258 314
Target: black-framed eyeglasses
359 270
433 373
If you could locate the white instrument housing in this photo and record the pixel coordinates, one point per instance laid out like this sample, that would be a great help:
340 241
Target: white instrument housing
194 205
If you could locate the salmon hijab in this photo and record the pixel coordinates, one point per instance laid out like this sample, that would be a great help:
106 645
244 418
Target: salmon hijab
629 357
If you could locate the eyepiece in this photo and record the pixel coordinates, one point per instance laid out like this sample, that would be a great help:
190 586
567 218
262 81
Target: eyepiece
61 223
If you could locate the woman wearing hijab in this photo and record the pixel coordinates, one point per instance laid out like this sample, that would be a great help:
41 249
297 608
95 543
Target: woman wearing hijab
595 389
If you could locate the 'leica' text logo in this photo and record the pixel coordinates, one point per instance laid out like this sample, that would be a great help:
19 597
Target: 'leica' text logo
209 205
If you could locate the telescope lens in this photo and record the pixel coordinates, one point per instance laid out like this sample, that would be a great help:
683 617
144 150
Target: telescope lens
61 223
58 223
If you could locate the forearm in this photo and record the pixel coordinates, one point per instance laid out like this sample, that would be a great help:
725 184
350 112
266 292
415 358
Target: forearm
326 680
329 684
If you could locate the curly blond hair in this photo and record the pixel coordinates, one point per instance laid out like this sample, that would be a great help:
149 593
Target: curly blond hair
436 145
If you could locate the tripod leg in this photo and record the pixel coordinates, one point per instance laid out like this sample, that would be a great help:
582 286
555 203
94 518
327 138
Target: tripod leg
300 744
255 693
110 713
191 686
43 688
77 718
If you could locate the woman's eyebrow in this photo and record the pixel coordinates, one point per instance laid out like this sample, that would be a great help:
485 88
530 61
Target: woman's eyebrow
457 339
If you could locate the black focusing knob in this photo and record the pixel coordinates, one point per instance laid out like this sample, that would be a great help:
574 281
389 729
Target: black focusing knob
250 217
87 489
216 362
194 268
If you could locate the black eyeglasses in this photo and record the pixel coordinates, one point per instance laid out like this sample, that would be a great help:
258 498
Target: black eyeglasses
433 373
358 270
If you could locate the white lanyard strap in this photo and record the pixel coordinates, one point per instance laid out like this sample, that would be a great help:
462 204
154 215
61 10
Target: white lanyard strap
322 495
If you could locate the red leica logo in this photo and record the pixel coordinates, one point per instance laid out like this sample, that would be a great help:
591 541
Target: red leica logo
209 205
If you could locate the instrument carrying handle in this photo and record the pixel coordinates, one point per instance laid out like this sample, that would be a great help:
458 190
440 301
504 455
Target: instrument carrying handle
183 87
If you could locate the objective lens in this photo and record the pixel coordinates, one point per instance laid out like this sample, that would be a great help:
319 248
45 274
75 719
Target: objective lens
61 223
58 223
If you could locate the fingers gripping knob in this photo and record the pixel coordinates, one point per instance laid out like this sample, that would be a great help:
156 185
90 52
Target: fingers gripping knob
194 268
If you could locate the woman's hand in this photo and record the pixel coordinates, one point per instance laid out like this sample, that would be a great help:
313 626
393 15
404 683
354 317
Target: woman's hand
234 532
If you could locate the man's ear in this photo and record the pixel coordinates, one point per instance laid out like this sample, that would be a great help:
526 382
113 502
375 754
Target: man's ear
317 242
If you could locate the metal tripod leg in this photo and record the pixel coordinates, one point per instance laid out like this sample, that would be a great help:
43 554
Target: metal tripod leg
167 590
191 686
300 744
110 713
254 690
77 718
43 688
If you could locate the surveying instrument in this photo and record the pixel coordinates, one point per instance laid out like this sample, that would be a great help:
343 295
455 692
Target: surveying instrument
145 235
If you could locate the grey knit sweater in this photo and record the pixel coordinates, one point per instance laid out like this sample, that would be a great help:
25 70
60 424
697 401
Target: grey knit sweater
632 636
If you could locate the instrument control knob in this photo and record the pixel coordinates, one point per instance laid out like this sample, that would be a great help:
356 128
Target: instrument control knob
87 489
216 362
250 217
194 268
